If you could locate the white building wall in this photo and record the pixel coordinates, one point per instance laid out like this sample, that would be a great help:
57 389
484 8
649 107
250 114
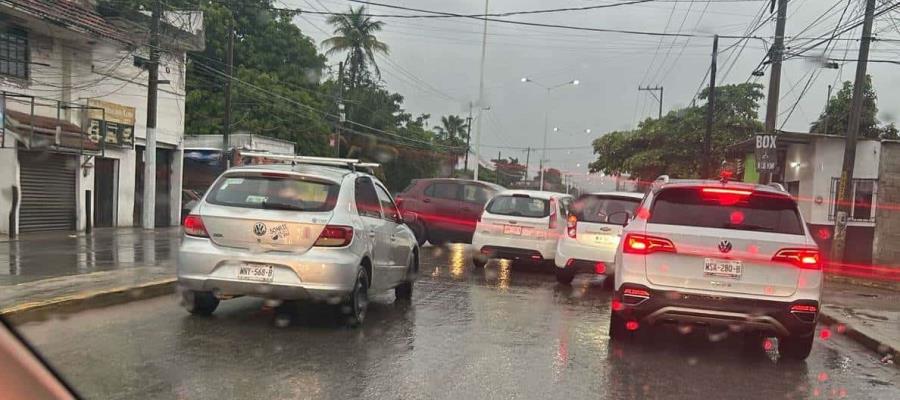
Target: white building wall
819 162
79 71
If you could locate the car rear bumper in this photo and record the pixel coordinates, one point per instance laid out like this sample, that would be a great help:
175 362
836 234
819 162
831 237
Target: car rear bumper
775 317
317 273
546 248
584 258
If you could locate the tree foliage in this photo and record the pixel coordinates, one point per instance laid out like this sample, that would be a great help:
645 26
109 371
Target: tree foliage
673 144
354 34
836 118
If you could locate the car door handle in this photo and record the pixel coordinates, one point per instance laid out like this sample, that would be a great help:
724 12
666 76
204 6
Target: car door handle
426 200
372 234
467 209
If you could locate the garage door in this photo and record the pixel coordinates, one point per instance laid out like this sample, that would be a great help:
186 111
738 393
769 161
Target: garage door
48 191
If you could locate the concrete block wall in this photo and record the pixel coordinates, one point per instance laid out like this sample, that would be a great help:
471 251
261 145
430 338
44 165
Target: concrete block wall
886 246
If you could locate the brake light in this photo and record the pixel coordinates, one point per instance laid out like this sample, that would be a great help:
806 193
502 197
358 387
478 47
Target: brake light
636 243
193 226
803 308
725 196
335 236
802 258
553 215
571 226
636 292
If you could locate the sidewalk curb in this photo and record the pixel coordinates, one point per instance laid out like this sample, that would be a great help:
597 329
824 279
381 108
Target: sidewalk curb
864 282
867 340
40 310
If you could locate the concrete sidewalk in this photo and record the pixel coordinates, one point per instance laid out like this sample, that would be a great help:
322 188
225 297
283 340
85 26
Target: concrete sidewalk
45 255
868 315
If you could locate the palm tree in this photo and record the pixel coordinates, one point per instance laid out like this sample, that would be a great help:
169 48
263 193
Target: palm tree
452 127
355 33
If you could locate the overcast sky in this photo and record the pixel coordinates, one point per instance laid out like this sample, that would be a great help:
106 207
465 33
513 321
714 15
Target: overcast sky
434 63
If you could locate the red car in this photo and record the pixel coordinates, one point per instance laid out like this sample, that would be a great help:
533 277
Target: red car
442 209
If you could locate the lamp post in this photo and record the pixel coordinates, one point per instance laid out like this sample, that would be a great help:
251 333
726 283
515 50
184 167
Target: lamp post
573 82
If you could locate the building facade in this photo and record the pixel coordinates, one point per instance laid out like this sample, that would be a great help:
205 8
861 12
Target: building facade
74 102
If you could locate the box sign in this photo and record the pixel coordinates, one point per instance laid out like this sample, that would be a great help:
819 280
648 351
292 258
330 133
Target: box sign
766 153
111 123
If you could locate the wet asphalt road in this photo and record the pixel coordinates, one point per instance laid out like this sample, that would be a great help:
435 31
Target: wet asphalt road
505 332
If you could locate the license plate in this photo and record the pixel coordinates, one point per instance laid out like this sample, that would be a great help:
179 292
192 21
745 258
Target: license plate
723 268
256 272
605 239
512 230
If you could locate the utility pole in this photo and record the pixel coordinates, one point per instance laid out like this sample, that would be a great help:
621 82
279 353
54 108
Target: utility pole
497 167
481 91
229 69
527 161
710 111
468 135
341 115
659 99
776 56
844 183
149 203
827 100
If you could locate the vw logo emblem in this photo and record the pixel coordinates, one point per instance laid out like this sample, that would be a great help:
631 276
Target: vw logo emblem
260 229
724 246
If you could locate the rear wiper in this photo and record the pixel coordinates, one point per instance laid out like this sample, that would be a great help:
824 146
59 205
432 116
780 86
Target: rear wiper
750 227
280 206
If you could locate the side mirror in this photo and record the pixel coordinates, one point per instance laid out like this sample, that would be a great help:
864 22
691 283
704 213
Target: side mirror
619 218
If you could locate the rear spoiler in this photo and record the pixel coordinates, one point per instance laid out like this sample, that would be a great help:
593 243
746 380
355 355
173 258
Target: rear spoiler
350 163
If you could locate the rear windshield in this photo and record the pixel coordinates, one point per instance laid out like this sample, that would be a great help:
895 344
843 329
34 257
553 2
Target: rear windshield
596 208
274 192
757 212
519 206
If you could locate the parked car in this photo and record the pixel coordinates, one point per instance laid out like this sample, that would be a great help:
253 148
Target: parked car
442 210
727 254
593 231
520 225
308 231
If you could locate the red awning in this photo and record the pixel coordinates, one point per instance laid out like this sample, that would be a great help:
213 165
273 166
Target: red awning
19 124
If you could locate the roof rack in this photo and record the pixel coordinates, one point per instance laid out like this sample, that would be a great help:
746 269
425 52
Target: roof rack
351 163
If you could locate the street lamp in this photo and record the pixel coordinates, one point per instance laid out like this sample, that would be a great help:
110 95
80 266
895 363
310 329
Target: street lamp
573 82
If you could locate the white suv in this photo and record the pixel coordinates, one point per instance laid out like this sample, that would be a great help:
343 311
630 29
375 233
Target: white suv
520 225
719 254
593 232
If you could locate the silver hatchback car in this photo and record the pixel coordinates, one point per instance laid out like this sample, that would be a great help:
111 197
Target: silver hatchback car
315 229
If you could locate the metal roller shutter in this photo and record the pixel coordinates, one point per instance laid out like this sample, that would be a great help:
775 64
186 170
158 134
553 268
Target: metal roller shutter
48 191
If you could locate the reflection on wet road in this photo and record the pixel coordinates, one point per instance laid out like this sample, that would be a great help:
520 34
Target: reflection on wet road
504 332
50 254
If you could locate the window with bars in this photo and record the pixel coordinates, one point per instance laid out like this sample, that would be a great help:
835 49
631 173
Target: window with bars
863 196
14 53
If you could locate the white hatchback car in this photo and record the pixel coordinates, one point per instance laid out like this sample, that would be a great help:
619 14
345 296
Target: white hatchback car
316 230
593 231
732 255
520 225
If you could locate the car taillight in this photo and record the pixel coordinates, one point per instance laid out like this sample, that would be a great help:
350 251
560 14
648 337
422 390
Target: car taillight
803 258
636 243
634 296
335 236
193 226
553 215
726 196
572 226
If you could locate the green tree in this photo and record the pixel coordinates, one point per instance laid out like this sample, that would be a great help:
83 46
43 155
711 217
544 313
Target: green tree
354 33
836 118
452 132
673 144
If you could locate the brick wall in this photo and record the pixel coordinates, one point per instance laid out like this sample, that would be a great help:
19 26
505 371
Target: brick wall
886 246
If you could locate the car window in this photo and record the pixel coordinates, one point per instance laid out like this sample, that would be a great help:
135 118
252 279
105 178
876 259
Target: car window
519 206
390 210
594 208
473 193
274 192
366 199
443 190
756 212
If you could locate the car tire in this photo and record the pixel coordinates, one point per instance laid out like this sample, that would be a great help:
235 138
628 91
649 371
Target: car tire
479 262
355 306
420 232
609 282
617 330
404 290
436 239
795 347
199 303
564 276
